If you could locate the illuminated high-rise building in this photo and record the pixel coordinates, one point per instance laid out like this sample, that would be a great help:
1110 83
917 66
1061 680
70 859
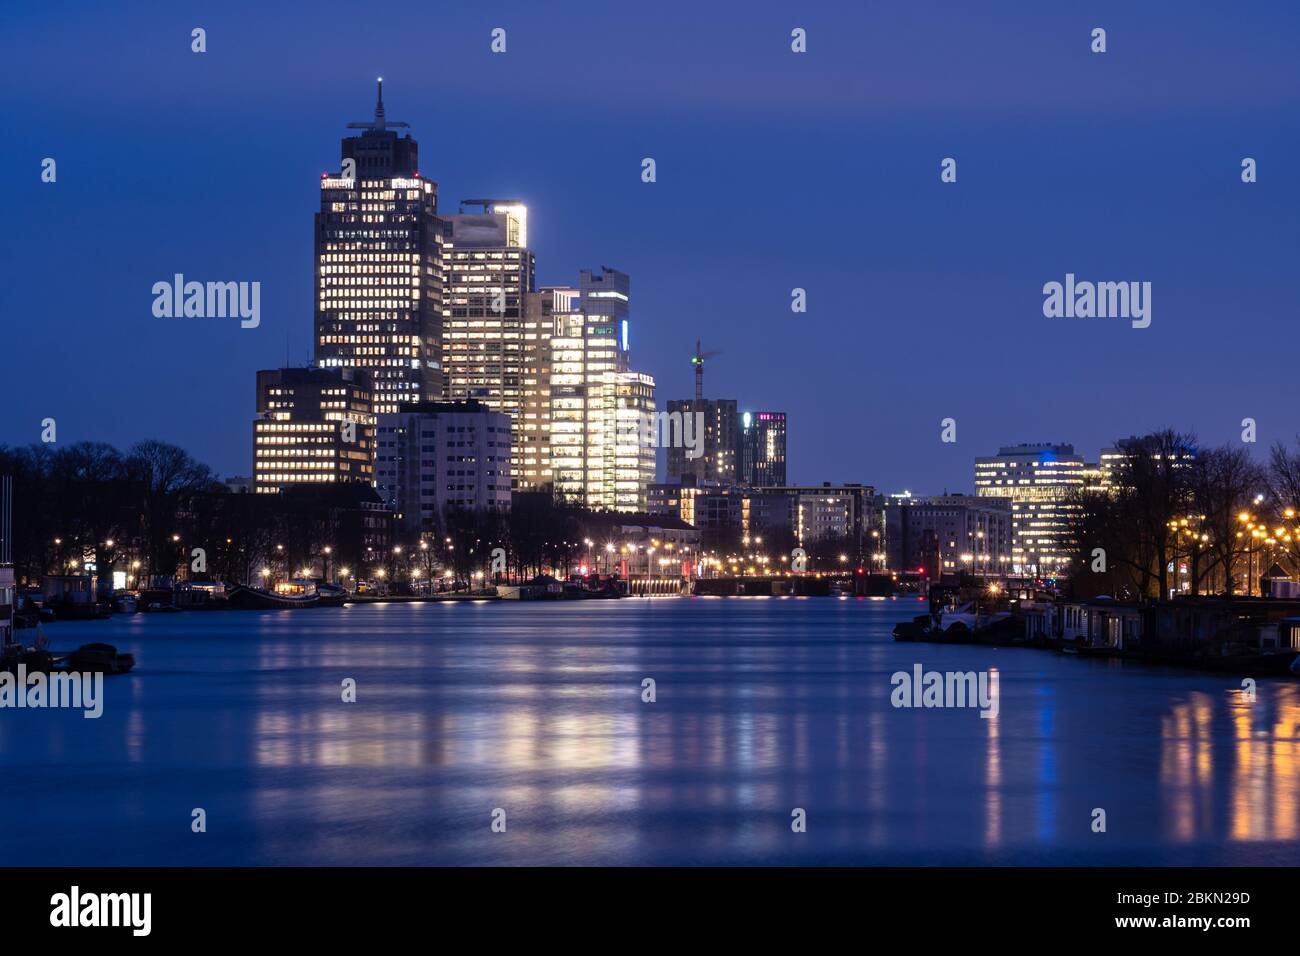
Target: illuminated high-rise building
1044 483
713 444
600 407
379 266
487 354
760 456
532 431
708 447
314 426
634 457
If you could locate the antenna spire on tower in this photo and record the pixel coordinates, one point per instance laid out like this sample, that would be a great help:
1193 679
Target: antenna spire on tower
380 122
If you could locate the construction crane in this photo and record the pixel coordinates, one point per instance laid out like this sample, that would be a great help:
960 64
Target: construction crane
698 361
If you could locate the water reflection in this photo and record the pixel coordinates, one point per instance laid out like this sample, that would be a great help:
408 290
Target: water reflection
1259 751
762 707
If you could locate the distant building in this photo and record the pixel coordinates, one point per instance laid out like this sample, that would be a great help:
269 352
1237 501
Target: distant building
379 266
705 444
239 484
761 449
807 514
314 426
715 445
597 401
1044 483
826 511
627 529
433 455
679 498
486 353
531 452
1116 461
947 534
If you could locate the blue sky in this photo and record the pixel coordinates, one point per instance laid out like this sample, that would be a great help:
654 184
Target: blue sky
775 170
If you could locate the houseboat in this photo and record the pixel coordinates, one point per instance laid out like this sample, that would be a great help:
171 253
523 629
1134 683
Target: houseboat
285 596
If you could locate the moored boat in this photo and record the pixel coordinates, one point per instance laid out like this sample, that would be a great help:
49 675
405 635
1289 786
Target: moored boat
294 594
102 658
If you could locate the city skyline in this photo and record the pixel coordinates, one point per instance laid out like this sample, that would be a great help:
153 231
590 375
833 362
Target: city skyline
1169 208
836 438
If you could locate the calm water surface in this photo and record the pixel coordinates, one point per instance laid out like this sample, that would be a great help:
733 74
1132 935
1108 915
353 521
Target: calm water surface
763 705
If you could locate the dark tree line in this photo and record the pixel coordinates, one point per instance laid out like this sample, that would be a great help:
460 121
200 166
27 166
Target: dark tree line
156 514
89 501
1172 516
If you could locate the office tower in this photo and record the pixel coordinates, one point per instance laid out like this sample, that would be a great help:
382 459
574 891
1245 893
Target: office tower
708 446
489 275
568 395
430 455
599 456
379 268
710 424
947 534
761 453
315 426
1044 482
634 457
531 453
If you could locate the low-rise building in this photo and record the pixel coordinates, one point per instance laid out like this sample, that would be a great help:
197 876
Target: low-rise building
949 534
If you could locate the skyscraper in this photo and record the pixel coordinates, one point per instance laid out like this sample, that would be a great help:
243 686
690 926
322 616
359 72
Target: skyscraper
717 445
598 454
489 276
379 266
1044 482
761 453
712 428
531 454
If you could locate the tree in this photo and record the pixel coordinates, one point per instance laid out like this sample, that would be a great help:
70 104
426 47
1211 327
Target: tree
164 477
1225 481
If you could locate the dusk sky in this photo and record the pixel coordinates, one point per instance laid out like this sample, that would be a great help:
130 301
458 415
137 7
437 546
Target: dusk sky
775 170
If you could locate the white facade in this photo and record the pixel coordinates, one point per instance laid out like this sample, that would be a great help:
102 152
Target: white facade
439 454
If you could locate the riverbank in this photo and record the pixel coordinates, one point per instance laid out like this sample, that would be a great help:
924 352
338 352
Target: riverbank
1276 664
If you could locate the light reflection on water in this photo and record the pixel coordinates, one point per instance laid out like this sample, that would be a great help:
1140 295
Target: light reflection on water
762 706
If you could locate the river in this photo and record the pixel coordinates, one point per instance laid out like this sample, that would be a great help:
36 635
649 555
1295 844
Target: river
763 707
